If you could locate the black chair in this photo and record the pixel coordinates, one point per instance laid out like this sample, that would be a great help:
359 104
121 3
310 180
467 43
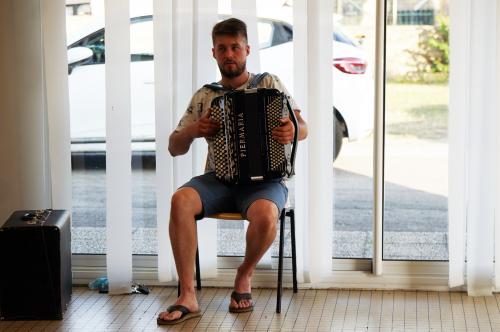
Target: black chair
286 212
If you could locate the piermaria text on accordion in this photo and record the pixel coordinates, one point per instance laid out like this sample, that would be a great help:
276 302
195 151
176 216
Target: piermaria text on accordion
241 135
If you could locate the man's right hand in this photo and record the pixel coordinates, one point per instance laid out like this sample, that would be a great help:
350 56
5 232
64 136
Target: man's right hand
205 126
179 142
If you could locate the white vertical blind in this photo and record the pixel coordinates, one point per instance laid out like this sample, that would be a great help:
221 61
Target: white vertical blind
165 122
481 115
497 155
118 149
55 66
301 161
320 117
473 144
458 135
378 141
182 79
205 16
246 11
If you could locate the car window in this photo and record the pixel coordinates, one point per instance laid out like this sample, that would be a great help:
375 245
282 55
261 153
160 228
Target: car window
287 32
94 42
282 33
141 42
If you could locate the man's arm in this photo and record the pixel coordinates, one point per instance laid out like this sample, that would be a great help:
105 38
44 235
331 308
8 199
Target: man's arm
284 133
179 142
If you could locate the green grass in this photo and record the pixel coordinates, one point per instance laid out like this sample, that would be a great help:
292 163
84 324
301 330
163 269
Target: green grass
417 110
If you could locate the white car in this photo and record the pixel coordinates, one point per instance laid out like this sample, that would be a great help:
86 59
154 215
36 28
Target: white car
86 53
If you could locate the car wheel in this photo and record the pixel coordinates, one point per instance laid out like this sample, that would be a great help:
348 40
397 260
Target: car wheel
339 136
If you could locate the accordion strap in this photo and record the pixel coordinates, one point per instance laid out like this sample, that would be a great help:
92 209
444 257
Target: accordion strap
257 78
293 118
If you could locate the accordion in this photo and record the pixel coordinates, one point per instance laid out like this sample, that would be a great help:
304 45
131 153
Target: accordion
244 149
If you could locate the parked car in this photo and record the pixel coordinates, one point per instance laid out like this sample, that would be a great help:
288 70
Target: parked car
86 52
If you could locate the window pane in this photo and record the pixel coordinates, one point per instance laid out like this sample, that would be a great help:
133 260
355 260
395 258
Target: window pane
87 107
416 140
88 147
353 84
143 130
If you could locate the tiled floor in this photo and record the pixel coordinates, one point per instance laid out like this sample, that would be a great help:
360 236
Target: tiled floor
308 310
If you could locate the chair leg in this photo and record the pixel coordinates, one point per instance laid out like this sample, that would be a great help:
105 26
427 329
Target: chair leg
198 275
198 272
291 215
279 291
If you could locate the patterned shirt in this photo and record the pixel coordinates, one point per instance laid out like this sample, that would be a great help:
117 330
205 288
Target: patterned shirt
202 99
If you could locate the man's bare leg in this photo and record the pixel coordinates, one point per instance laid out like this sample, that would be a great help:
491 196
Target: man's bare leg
186 204
262 216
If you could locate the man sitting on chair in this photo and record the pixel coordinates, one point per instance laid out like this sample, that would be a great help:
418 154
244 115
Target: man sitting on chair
260 203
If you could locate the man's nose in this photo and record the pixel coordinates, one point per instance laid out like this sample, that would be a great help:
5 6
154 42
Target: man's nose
229 53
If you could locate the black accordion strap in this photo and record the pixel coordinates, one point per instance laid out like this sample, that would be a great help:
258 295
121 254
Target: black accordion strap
256 80
215 86
293 117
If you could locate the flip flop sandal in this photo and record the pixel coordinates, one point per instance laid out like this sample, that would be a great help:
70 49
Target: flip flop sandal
186 314
237 297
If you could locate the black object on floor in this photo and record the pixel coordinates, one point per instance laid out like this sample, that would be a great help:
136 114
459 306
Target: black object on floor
35 256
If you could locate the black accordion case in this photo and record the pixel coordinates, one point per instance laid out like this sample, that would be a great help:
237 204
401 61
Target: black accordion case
35 253
244 150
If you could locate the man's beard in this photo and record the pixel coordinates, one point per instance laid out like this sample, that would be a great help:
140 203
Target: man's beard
240 69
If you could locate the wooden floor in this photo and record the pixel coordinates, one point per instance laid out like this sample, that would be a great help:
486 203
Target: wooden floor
308 310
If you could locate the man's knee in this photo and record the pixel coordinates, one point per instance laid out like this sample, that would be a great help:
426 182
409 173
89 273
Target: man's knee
264 213
186 200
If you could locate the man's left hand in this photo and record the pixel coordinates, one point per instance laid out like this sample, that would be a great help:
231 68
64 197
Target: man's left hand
284 133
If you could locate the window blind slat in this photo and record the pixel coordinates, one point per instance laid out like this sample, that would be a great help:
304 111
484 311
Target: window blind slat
164 123
118 148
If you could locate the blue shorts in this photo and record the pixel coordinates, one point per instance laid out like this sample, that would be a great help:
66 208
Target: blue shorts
217 196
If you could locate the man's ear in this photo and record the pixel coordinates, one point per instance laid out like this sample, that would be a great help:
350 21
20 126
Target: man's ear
248 49
213 52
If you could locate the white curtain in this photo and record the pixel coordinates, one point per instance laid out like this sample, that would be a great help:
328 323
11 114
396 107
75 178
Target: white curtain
313 30
55 65
247 11
205 16
300 93
183 63
163 72
118 149
474 236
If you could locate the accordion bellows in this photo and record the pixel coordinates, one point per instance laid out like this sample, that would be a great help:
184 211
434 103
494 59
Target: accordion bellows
244 150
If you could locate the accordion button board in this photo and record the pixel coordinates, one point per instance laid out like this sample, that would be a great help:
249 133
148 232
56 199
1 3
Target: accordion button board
244 149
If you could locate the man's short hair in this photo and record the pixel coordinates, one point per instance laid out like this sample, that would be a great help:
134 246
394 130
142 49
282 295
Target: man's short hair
230 27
